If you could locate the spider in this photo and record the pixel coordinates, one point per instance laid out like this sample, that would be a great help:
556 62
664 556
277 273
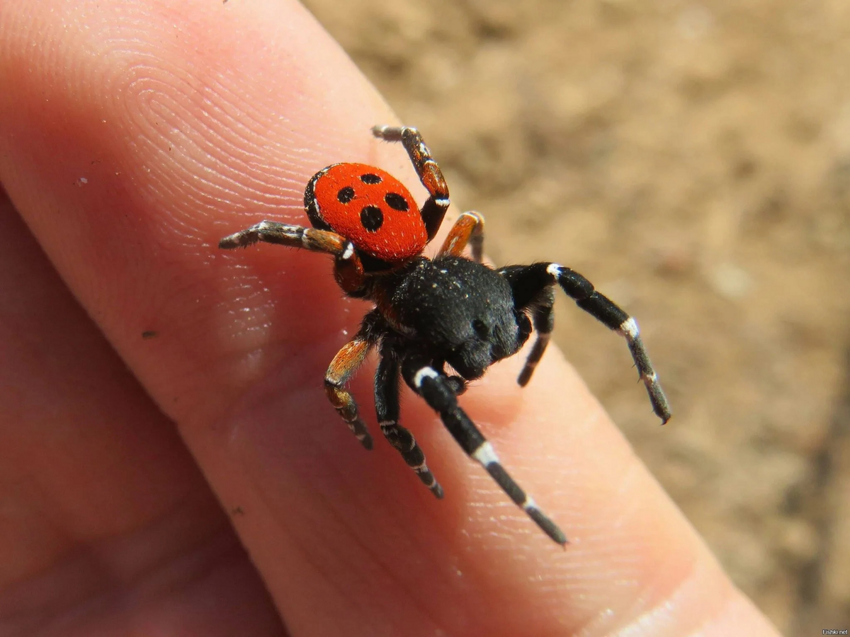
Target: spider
437 323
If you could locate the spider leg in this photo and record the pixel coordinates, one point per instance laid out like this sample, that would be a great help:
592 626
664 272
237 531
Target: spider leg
529 284
468 229
348 268
342 367
434 387
387 407
543 320
434 209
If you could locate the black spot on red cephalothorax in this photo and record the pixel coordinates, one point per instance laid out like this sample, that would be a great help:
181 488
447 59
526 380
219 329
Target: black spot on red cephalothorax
370 208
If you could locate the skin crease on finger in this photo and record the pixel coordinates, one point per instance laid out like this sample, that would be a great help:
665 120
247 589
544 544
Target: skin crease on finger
139 134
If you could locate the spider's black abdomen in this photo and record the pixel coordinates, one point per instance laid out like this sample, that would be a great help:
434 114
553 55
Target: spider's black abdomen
458 311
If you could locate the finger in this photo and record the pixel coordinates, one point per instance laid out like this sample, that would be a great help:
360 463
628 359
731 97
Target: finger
106 522
342 539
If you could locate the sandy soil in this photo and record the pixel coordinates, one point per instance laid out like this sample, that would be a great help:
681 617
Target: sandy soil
693 159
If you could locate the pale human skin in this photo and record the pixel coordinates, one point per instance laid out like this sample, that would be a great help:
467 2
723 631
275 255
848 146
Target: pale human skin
138 473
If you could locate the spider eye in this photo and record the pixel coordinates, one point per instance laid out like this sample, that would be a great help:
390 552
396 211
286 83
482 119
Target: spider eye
480 328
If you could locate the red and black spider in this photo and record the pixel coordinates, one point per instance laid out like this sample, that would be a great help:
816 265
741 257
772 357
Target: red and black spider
432 313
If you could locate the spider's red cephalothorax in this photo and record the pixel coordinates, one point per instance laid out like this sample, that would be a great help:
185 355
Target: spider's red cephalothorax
432 314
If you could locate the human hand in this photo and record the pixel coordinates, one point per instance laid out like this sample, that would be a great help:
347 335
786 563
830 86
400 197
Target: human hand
134 136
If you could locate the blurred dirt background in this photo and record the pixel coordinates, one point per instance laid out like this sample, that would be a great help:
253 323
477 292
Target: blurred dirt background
693 160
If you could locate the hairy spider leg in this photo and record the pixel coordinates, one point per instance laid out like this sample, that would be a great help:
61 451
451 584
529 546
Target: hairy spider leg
342 367
387 407
430 174
468 229
348 269
530 283
435 388
543 320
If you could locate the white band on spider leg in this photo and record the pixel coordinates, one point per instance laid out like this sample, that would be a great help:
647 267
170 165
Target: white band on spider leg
349 251
485 454
422 374
554 270
442 202
629 329
529 503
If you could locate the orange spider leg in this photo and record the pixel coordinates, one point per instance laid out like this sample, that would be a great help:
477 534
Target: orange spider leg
348 269
427 169
468 229
342 367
